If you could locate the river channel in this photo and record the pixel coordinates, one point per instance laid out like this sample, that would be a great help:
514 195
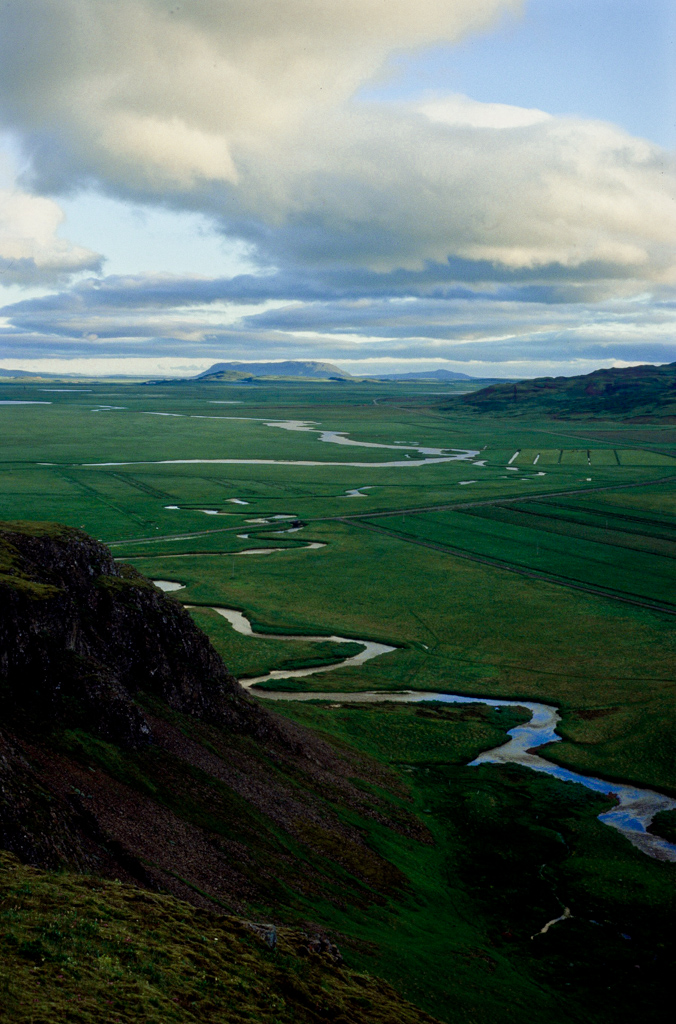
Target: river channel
430 456
635 807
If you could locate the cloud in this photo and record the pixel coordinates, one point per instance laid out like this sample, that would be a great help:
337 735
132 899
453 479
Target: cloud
247 113
30 250
442 230
98 83
189 318
461 110
389 189
454 279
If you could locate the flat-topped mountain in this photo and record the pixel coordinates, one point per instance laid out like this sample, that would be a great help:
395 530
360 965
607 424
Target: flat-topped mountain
631 392
285 368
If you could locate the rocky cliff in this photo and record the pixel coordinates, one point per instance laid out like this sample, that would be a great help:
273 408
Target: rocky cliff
81 637
127 749
129 752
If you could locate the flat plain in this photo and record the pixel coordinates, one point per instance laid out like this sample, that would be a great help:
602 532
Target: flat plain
516 559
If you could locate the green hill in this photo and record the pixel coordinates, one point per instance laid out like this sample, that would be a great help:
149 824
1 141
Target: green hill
634 392
91 950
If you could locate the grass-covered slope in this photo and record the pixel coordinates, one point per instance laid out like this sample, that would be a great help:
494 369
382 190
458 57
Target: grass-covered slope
630 392
78 949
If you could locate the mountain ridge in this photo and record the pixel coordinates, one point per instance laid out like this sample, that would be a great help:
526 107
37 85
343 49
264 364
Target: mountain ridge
439 375
635 392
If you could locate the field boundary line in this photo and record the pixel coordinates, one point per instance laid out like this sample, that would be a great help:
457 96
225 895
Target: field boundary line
174 536
458 506
511 567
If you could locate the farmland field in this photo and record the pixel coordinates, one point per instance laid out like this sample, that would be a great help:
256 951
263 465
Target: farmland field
528 561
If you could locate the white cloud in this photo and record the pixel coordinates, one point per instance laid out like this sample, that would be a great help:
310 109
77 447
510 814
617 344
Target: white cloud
155 91
170 152
30 250
245 111
461 110
387 188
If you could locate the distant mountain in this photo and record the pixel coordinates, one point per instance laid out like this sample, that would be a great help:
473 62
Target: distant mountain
634 391
32 376
19 374
285 368
438 375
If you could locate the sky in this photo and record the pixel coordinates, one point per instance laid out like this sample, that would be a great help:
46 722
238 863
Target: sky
486 186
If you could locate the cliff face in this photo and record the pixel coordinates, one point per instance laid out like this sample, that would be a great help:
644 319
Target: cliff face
81 636
129 752
127 749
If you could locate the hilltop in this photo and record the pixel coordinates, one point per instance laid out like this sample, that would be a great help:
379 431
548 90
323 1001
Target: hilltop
634 392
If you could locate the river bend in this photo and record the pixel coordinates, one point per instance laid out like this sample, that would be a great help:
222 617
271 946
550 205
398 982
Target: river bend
635 809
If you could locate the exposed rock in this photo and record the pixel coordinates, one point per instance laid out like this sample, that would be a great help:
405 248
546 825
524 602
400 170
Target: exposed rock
266 932
81 636
321 945
128 750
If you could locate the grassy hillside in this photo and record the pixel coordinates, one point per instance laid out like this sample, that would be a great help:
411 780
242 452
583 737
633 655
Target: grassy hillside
85 950
633 391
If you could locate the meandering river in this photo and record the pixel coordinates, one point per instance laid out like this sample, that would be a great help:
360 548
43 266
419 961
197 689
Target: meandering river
635 809
430 455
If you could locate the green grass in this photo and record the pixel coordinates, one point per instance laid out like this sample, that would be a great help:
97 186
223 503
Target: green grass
485 632
549 548
124 502
77 949
511 849
606 529
400 734
509 846
252 656
503 851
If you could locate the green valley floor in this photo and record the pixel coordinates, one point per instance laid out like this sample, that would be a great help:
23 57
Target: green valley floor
515 559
